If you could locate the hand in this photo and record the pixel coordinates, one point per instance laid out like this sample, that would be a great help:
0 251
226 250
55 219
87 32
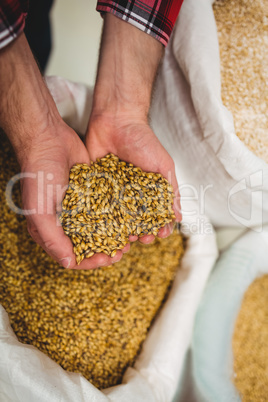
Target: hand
132 140
46 148
127 68
49 161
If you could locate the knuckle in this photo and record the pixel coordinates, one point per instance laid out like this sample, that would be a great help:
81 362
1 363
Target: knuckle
49 244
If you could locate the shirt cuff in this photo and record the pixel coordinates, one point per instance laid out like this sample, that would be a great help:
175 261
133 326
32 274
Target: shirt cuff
12 20
156 18
9 33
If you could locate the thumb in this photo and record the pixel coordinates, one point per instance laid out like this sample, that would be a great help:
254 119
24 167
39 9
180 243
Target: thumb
176 200
46 230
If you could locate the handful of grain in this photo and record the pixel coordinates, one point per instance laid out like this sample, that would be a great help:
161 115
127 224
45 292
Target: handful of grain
111 200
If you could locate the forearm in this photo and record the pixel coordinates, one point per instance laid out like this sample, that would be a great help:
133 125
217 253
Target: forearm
26 106
128 64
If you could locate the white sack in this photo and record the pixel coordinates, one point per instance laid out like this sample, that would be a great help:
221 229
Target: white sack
197 130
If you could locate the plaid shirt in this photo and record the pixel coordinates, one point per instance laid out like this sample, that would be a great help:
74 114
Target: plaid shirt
155 17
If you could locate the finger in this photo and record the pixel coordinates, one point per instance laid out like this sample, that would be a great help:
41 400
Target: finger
126 248
147 239
99 260
170 174
166 230
48 233
117 257
133 238
176 200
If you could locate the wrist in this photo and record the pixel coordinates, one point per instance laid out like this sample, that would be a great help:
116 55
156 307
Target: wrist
128 63
27 109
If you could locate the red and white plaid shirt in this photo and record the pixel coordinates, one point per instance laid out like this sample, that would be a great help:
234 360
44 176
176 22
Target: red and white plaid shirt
155 17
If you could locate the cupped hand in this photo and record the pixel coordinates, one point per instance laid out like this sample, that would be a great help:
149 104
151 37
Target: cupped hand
132 140
46 166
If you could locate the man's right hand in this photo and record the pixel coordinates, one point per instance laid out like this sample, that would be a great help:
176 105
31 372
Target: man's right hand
46 149
49 162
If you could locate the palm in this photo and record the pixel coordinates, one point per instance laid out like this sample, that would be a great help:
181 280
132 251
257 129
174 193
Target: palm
135 143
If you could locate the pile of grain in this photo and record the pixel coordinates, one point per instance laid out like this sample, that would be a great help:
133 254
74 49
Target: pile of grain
243 39
91 322
250 343
111 200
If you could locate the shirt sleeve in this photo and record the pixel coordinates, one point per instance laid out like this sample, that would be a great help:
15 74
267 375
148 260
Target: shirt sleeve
12 20
155 17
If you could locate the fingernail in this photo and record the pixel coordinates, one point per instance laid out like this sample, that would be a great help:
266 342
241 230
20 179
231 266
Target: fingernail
66 262
171 227
117 260
165 232
168 229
